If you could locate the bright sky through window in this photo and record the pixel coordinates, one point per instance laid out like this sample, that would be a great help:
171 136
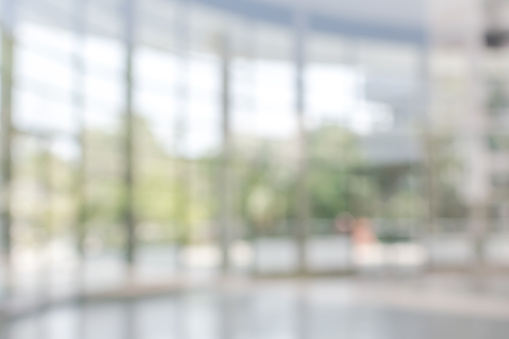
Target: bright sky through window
43 97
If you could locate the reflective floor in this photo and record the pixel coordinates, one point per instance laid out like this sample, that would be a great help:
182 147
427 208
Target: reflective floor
262 310
55 270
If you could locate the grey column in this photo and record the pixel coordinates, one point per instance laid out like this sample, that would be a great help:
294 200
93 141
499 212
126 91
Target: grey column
477 127
302 203
182 40
78 98
128 202
429 166
225 179
8 10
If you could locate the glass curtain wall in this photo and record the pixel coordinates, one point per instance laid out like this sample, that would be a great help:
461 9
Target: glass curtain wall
165 136
264 136
104 158
334 95
392 139
159 79
45 153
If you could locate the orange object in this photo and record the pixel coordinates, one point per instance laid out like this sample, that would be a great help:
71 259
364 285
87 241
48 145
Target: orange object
362 233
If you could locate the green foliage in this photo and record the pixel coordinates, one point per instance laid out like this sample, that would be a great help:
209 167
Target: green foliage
176 198
444 176
265 178
337 183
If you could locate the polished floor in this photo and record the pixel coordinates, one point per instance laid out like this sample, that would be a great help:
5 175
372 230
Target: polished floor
272 310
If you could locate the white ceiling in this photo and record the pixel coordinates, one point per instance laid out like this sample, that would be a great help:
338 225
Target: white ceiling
367 17
397 13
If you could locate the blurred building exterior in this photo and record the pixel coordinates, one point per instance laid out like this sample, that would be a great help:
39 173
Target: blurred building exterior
468 101
162 134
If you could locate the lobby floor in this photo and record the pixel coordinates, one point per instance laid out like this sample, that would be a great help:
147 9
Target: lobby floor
443 306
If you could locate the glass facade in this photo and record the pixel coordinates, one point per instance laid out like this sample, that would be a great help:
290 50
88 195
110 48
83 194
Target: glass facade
159 137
